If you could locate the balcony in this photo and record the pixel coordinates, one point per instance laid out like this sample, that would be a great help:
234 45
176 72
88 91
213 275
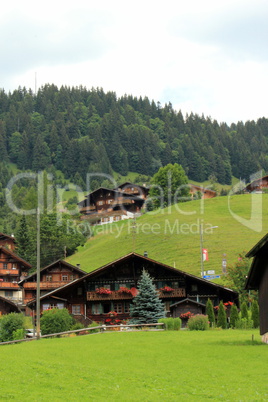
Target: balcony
45 285
9 285
9 272
115 295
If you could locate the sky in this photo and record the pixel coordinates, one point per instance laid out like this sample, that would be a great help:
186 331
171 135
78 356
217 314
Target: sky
206 57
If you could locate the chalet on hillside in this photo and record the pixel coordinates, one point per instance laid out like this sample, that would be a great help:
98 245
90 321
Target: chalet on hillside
113 286
8 241
106 206
257 185
205 192
258 280
52 277
133 189
12 270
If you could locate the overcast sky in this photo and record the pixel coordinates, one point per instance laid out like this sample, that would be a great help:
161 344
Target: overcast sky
207 56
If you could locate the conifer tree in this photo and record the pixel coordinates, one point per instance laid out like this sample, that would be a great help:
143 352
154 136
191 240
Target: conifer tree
234 316
210 313
222 321
147 307
244 311
255 314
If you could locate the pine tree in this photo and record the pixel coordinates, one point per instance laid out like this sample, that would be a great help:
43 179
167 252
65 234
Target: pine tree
210 313
222 320
147 307
25 248
234 316
255 314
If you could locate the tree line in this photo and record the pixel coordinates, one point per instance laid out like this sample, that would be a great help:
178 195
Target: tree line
77 130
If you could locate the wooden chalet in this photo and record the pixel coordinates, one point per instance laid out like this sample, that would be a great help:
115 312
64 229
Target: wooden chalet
206 192
106 206
113 286
8 241
133 189
8 306
12 270
52 277
258 280
257 185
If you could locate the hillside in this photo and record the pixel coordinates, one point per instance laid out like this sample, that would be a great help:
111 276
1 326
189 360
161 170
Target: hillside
172 236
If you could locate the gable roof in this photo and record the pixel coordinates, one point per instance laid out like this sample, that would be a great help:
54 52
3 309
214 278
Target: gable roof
4 236
15 256
60 262
11 303
129 256
187 301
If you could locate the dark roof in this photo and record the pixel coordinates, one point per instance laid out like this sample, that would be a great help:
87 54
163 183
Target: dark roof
4 236
131 255
10 302
255 272
128 184
187 301
15 256
62 262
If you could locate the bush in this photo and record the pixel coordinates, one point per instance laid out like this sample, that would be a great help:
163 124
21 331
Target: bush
244 310
210 313
244 323
171 324
55 320
9 324
255 314
198 322
222 319
18 334
77 325
233 316
94 324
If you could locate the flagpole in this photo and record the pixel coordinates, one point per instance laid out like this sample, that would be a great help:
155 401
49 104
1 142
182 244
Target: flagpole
201 249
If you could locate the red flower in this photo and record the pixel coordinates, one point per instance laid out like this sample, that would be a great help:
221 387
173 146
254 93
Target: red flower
167 289
103 291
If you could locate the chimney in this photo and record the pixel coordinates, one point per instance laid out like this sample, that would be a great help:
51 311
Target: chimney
145 254
78 265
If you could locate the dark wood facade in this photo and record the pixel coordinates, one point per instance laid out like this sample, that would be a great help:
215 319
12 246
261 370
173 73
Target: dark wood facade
52 277
258 280
7 306
257 185
105 205
113 286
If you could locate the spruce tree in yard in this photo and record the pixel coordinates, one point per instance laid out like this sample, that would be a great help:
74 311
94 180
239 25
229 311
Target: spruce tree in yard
222 321
210 313
255 314
146 307
244 310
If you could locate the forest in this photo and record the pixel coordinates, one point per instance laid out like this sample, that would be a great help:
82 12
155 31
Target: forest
69 132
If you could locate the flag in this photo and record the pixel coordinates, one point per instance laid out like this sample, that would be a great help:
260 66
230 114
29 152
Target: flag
205 254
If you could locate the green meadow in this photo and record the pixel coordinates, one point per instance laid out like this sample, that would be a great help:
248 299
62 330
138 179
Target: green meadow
213 365
172 235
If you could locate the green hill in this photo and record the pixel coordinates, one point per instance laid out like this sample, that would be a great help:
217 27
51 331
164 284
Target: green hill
172 236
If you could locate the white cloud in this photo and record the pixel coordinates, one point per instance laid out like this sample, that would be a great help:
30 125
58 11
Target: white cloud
206 57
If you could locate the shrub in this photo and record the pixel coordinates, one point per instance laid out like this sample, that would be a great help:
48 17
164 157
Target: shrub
255 314
233 315
171 324
94 324
210 313
244 310
77 325
244 323
55 320
18 334
198 322
9 324
222 319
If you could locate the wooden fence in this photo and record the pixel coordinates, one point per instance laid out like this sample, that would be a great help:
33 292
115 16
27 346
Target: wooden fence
101 328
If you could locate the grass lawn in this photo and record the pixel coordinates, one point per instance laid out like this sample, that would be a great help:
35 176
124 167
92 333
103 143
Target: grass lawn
139 366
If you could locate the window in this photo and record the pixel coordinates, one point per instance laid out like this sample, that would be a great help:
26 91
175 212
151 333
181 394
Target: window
79 291
100 202
8 293
96 308
60 306
72 277
127 307
49 278
109 201
64 278
118 308
46 306
76 309
5 265
14 267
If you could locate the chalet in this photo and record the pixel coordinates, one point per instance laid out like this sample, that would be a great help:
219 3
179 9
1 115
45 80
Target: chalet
52 277
12 270
113 286
258 280
205 192
257 186
8 241
8 306
133 189
106 206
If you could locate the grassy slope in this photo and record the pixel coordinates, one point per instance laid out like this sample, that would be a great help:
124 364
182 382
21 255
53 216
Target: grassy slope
144 366
179 247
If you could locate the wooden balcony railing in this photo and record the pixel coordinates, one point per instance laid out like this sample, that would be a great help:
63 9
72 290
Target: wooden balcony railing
115 295
9 285
9 272
45 285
